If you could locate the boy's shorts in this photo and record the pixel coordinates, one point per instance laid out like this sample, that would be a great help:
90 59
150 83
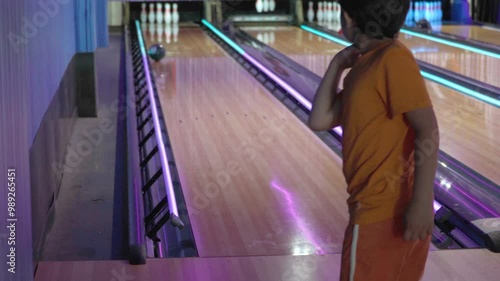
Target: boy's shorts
378 252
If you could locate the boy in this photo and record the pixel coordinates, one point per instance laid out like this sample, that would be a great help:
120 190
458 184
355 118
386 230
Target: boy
390 144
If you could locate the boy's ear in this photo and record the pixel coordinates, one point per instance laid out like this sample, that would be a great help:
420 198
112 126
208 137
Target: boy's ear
348 20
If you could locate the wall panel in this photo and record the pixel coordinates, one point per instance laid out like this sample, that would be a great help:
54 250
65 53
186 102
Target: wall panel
15 139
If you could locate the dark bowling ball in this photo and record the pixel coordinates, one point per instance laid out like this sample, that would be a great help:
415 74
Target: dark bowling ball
424 24
157 52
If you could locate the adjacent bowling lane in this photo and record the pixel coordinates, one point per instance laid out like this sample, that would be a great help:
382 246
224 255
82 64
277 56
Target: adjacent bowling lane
476 66
256 180
478 33
469 128
473 65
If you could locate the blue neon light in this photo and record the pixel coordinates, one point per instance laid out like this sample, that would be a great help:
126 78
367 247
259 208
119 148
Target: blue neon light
141 40
461 89
427 75
327 36
223 37
452 44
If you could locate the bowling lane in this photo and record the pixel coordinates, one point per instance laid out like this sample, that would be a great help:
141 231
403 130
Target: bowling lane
473 32
469 128
251 188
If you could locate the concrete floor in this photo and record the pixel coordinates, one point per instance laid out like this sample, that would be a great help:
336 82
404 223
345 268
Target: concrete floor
88 220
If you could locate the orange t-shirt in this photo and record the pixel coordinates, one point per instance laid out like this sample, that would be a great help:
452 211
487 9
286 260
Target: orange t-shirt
378 143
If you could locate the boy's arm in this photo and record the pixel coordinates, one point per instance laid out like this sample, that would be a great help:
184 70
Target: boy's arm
325 113
420 215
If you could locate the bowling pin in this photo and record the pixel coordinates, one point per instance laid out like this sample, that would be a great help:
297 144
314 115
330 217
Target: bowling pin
330 11
159 13
265 6
433 10
175 14
175 31
310 12
319 12
410 13
266 38
326 13
258 6
168 14
336 9
422 11
144 13
272 5
416 12
260 37
339 13
440 12
152 14
428 11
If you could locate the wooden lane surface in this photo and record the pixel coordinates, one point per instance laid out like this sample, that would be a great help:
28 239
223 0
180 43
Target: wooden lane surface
256 180
469 128
446 265
473 32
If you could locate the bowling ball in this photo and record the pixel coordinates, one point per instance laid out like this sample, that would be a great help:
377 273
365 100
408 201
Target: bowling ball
157 52
424 25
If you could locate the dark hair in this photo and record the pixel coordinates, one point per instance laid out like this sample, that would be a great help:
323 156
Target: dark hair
377 18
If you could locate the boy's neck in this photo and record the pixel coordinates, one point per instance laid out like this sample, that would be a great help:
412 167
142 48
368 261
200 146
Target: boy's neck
366 44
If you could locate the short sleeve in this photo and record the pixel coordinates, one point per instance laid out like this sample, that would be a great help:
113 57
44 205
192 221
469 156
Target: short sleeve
405 88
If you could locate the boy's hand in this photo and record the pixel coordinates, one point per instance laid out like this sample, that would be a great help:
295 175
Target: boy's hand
346 58
419 221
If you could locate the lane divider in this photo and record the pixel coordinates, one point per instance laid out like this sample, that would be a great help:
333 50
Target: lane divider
452 44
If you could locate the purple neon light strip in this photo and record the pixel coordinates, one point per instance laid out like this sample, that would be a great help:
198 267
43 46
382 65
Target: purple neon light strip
282 83
307 104
468 172
492 212
457 199
172 204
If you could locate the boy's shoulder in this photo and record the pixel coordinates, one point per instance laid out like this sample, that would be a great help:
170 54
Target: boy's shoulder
394 56
396 51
